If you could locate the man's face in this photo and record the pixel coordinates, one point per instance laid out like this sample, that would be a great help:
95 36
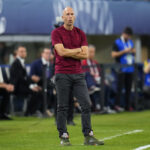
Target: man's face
68 17
126 36
91 52
22 52
46 54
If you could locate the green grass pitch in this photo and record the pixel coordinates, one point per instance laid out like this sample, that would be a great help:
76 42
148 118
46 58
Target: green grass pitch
41 134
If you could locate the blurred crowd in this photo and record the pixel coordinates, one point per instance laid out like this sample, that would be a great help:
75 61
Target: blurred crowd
29 90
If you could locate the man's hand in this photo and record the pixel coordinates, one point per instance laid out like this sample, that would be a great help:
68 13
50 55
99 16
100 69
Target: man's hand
35 78
9 87
127 50
36 89
83 54
115 54
133 50
147 68
130 50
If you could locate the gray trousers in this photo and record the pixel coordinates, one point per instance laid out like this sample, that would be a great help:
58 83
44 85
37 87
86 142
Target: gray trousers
65 85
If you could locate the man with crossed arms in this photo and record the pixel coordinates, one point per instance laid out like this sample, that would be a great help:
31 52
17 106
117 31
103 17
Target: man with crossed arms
70 48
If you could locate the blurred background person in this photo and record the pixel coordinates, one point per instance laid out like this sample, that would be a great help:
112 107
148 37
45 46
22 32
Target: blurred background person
146 88
124 53
36 74
93 79
19 77
5 89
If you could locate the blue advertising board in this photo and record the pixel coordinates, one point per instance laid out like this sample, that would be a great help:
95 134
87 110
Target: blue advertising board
37 17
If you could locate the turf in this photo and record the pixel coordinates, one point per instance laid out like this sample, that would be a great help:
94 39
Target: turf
41 134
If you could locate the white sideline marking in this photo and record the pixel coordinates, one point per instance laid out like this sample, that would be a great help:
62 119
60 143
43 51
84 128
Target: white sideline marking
142 147
118 135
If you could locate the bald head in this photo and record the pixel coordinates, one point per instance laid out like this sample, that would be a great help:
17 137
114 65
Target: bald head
91 51
68 18
67 9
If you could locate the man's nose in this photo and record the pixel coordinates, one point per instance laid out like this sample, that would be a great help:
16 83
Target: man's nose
70 16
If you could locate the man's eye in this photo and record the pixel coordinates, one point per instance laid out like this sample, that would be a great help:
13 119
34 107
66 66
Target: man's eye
70 14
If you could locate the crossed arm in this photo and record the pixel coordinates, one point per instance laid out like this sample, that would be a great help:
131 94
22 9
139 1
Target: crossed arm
77 53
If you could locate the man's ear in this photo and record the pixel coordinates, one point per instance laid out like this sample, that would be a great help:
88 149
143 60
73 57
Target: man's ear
62 18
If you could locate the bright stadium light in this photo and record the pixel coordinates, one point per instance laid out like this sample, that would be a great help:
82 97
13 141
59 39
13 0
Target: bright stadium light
2 19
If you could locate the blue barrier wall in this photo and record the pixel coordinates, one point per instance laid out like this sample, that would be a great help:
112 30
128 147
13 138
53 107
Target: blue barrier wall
93 16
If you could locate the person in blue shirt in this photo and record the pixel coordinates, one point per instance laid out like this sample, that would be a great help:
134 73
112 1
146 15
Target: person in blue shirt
146 87
124 53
